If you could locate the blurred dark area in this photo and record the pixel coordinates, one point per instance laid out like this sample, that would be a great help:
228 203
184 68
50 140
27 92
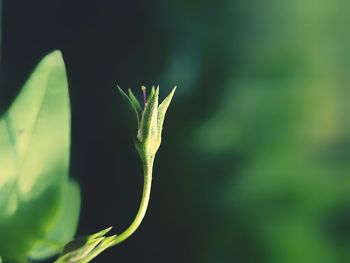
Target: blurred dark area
255 159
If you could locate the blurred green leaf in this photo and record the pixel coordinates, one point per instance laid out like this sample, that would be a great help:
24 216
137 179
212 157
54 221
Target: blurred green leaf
34 159
67 221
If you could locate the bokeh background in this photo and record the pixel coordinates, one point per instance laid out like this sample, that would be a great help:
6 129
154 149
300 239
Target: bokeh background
255 160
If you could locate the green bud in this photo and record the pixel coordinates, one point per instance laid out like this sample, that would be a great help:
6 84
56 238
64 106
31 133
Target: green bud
150 121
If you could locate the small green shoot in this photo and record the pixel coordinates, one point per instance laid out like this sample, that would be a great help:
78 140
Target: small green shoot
150 120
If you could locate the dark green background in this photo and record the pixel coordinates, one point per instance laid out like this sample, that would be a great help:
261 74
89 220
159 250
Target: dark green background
254 164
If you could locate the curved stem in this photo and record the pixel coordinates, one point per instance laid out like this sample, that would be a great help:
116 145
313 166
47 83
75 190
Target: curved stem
107 242
147 169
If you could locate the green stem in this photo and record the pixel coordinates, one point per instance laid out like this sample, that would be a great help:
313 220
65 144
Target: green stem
147 169
114 240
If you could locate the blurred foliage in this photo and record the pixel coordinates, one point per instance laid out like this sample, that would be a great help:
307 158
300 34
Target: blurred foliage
39 207
255 159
